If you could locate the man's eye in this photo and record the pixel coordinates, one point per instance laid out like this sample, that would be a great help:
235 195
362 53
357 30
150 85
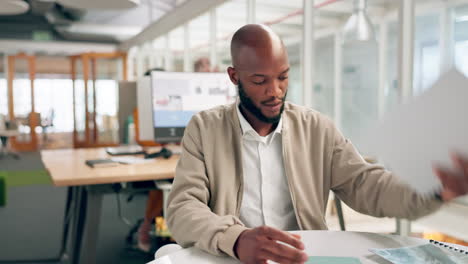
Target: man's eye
259 83
282 78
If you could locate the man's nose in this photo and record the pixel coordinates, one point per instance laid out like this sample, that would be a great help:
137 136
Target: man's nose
274 89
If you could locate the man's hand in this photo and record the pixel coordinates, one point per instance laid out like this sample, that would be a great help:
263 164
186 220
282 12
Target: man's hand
261 244
455 183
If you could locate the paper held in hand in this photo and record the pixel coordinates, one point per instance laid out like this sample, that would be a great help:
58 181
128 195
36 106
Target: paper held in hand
422 133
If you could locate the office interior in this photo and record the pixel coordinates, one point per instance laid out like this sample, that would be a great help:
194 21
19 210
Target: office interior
67 67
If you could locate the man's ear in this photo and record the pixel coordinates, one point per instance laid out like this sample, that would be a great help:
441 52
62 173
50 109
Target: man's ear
233 75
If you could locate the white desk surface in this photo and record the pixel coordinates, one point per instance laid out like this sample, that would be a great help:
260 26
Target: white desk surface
317 243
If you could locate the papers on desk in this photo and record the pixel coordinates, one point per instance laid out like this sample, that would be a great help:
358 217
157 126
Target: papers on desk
104 163
131 160
423 254
423 132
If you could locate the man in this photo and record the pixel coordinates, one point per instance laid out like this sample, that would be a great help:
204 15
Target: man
202 65
253 170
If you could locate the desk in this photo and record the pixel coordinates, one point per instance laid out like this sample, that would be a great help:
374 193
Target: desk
87 187
317 243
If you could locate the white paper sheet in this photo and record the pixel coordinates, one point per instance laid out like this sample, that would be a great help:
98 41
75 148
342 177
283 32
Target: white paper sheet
132 160
423 132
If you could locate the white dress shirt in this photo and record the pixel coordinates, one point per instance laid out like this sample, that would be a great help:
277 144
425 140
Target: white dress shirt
266 198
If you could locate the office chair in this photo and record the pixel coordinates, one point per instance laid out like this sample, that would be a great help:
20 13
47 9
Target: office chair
339 212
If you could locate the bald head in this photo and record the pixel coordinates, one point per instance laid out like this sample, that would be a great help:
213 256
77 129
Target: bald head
255 43
260 71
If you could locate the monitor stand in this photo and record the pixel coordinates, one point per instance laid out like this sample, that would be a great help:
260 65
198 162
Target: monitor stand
164 152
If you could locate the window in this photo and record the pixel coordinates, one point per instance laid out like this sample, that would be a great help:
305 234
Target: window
22 97
54 100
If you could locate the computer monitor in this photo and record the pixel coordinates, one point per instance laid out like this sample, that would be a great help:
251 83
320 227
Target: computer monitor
177 96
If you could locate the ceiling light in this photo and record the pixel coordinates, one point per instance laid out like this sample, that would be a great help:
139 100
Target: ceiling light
13 7
99 4
358 28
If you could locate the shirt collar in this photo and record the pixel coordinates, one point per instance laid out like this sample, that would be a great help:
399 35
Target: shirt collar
246 128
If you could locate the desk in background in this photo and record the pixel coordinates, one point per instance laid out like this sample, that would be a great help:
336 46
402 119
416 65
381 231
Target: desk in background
87 187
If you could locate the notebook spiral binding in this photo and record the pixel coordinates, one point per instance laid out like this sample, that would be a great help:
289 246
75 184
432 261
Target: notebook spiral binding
444 245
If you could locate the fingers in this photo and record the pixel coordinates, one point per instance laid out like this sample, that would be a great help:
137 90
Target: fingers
282 236
281 253
451 184
460 163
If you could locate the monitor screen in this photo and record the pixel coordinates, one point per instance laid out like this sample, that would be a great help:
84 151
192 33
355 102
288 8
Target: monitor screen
177 96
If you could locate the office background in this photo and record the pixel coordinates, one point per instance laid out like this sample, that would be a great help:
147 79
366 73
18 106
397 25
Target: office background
48 51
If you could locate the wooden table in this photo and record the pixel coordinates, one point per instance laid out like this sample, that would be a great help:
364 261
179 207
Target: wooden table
67 168
86 189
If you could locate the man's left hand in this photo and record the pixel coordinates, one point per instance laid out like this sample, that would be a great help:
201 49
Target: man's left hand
454 183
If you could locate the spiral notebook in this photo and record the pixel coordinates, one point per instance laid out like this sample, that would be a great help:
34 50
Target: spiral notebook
435 252
449 247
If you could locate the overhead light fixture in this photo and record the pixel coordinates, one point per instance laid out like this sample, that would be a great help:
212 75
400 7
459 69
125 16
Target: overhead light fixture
99 4
359 28
13 7
119 33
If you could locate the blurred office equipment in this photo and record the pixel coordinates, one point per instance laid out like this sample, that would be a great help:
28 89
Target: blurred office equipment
168 100
8 129
176 97
126 105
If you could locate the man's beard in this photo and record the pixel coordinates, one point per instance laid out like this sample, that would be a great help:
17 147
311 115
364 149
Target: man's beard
248 104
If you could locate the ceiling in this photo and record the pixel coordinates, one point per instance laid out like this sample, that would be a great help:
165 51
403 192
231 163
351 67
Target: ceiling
283 16
50 20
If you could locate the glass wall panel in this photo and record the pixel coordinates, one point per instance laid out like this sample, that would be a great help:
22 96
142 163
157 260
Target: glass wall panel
21 88
461 38
360 88
200 43
106 88
176 39
295 81
426 52
324 76
79 95
391 93
22 98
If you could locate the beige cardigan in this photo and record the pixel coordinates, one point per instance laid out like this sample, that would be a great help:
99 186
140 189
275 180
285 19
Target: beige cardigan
203 206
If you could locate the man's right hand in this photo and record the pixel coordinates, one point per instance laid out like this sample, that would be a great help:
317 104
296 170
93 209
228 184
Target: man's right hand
261 244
